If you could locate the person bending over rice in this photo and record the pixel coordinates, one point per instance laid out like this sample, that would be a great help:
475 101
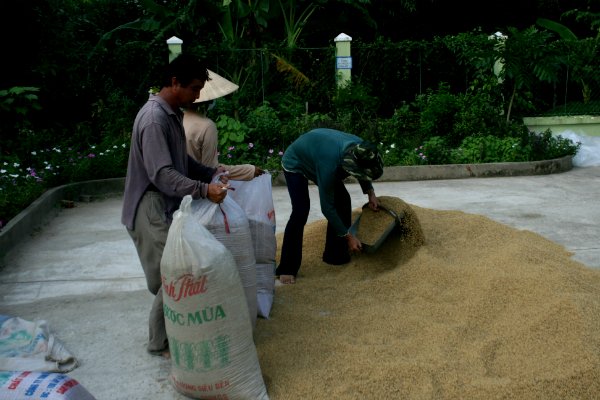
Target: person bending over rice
326 157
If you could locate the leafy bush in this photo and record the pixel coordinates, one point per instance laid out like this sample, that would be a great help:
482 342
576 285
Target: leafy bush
489 149
435 150
438 113
231 131
18 188
23 182
545 146
265 126
296 126
267 158
355 110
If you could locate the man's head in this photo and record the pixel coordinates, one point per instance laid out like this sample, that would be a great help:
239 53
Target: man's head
184 77
363 161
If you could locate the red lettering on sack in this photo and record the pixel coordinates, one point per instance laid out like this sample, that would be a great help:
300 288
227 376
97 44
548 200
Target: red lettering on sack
15 383
185 286
185 385
222 384
66 386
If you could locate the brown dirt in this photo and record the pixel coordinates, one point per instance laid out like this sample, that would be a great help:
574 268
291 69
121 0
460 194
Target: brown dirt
476 310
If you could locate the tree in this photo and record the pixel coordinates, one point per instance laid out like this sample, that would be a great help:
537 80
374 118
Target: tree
581 55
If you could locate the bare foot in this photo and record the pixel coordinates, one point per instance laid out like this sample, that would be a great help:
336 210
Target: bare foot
287 279
166 353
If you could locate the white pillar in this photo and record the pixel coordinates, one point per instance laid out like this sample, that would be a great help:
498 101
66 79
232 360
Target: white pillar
343 59
174 44
499 64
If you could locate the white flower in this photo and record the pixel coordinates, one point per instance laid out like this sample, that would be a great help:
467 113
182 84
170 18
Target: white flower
2 171
393 145
16 165
14 175
34 153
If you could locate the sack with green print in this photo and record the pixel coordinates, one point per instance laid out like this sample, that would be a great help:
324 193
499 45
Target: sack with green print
206 314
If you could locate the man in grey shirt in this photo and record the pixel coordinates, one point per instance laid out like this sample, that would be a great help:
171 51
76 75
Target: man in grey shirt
160 174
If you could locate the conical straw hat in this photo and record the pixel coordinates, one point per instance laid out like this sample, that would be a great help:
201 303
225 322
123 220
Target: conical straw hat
216 87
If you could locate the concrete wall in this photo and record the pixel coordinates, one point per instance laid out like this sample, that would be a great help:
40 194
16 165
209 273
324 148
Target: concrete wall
48 205
585 125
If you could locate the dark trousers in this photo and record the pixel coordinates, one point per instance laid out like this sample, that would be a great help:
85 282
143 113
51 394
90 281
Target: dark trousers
336 248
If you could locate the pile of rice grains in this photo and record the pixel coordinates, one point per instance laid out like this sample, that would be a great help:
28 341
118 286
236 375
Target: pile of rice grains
451 306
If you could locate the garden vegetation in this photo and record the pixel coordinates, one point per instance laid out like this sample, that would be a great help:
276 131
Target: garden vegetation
66 112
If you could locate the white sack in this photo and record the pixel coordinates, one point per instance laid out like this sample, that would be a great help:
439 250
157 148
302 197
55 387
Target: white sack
229 225
255 197
29 346
206 314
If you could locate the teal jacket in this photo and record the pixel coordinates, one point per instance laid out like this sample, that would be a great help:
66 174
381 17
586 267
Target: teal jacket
318 155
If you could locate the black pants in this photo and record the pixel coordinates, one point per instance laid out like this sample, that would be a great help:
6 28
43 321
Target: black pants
336 247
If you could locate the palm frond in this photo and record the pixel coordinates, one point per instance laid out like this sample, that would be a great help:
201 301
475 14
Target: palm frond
297 78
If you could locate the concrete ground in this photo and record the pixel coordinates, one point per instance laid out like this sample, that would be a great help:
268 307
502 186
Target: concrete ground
81 273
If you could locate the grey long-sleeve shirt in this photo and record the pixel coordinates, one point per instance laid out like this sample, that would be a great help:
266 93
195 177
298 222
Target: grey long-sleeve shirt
158 156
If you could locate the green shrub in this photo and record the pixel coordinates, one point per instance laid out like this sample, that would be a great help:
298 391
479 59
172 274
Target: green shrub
21 182
265 126
231 131
488 149
435 150
545 146
438 112
266 158
355 110
18 188
303 123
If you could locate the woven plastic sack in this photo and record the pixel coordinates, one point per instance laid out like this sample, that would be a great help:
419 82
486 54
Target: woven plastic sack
255 197
210 335
30 346
229 225
20 385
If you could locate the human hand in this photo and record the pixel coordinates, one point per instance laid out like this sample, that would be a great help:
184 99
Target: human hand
258 171
373 201
221 174
217 192
354 245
